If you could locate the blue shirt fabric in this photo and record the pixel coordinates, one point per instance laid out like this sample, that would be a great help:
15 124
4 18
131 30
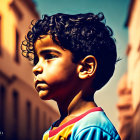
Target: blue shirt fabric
94 125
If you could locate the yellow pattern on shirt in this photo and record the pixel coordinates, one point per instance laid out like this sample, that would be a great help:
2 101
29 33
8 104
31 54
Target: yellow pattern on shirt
61 135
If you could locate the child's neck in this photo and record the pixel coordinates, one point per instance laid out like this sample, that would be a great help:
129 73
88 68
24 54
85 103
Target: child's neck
76 106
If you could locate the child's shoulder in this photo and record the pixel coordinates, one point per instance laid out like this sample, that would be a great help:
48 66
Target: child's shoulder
95 125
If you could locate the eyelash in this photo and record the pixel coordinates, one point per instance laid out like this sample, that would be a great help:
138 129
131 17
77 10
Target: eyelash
46 57
50 56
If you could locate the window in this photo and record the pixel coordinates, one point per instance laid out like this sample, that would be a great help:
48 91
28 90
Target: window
44 122
37 132
15 104
28 121
2 107
139 48
14 6
128 49
0 33
15 115
50 121
17 47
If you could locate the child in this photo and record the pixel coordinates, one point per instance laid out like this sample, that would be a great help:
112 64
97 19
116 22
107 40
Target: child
74 56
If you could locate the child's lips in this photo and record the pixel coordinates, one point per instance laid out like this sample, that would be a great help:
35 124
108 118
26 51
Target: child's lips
40 85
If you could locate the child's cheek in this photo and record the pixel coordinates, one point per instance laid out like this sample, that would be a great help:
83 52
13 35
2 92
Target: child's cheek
52 73
55 75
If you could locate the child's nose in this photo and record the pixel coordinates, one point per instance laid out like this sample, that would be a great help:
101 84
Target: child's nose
37 70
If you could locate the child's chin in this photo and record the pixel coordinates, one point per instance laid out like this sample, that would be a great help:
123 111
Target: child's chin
43 95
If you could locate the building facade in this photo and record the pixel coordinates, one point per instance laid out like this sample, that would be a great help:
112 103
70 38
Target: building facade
23 116
129 86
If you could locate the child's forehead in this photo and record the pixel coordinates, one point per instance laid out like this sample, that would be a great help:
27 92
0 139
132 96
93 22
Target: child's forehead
45 42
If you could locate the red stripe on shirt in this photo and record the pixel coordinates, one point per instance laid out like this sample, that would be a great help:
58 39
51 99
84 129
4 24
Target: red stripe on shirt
55 131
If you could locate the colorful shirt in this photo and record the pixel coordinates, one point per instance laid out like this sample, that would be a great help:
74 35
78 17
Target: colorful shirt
92 125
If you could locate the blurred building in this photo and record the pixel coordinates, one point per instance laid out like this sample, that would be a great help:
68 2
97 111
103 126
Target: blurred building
129 86
23 116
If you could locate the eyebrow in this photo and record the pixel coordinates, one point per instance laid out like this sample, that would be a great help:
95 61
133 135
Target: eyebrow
49 51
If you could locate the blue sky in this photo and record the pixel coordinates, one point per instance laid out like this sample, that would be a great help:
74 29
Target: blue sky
115 12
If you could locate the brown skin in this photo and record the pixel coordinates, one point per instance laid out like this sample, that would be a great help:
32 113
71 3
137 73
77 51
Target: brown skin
58 78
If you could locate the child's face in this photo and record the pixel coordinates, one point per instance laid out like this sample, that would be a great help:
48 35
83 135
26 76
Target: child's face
55 73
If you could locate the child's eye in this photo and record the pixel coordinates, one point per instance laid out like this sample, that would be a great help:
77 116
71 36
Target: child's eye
36 59
50 56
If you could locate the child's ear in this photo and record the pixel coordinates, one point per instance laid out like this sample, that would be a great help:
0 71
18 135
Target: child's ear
87 67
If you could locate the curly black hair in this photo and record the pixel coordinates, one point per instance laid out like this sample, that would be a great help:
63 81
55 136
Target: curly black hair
82 34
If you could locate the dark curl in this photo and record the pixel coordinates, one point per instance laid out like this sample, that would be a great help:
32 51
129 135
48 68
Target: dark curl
82 34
